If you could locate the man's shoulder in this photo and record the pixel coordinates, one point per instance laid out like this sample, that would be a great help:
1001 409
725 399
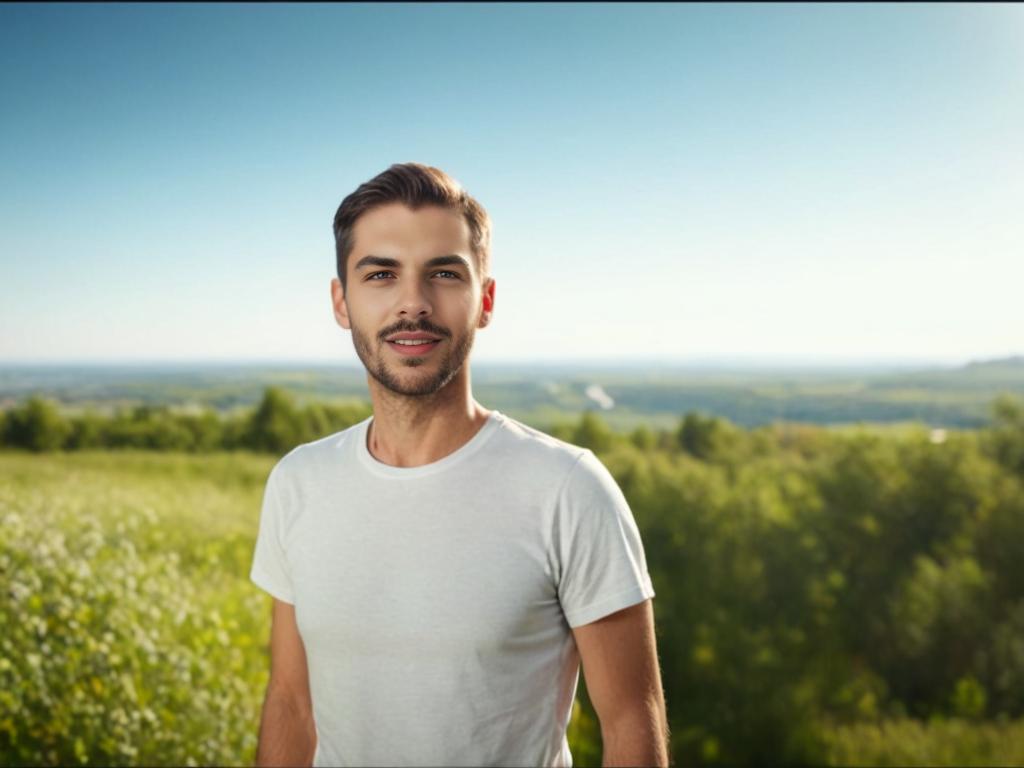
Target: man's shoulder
319 453
541 460
530 446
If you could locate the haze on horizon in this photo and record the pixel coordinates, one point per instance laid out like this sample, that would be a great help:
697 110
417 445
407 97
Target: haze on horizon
832 183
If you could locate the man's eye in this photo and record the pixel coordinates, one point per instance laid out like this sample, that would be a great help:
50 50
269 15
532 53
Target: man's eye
386 272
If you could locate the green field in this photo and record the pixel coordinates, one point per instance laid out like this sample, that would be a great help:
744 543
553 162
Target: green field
131 634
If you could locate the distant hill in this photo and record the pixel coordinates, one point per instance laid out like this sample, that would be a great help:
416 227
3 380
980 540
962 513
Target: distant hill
625 395
990 376
1016 362
1011 368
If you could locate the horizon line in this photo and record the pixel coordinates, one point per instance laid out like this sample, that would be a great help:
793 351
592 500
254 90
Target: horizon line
730 361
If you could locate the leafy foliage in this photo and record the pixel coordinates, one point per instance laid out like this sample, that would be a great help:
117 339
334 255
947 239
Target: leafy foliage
275 425
938 741
37 425
129 633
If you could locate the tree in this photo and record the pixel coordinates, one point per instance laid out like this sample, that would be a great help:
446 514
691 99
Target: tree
592 433
206 428
1005 438
87 431
276 425
643 438
37 425
704 437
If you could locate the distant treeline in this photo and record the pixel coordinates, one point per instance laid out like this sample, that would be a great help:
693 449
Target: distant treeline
278 423
275 425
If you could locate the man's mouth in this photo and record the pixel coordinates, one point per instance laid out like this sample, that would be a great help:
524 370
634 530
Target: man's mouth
413 346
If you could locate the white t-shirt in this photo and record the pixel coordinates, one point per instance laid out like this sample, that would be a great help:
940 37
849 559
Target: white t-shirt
435 603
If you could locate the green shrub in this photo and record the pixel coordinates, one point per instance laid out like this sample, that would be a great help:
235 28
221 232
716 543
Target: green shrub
37 424
937 742
122 644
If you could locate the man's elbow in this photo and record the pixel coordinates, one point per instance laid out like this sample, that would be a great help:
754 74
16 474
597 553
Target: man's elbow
297 702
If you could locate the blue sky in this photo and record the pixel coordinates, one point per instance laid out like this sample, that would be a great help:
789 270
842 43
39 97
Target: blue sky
833 182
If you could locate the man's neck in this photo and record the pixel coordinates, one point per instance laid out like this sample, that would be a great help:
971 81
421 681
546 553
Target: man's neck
411 431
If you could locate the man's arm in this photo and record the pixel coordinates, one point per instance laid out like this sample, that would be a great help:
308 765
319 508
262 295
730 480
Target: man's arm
287 731
620 665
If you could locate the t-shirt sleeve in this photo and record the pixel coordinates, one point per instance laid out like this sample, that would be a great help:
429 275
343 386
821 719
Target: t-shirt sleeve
270 571
603 567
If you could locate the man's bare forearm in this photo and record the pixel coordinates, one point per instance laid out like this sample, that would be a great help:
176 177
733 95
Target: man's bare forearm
287 732
638 739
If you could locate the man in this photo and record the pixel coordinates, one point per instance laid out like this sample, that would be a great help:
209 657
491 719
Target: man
439 570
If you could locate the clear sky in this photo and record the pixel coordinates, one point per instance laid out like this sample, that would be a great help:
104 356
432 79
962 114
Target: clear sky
790 182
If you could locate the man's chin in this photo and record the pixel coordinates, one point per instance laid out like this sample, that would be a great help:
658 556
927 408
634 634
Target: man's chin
411 380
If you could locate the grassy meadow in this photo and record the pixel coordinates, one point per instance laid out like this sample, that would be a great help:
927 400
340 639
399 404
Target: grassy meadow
841 596
131 632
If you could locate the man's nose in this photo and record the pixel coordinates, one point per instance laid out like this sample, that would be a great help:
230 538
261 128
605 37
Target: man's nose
415 300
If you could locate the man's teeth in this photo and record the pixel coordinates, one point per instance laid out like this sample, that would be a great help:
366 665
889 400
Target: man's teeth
414 342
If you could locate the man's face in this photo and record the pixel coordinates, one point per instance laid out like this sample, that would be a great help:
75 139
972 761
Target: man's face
412 273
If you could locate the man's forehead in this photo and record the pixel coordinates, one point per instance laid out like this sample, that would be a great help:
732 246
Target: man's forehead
398 221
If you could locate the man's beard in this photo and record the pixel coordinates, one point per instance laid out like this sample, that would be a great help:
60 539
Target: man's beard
448 367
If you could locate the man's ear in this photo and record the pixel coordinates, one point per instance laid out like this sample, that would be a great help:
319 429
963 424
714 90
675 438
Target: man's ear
487 303
339 304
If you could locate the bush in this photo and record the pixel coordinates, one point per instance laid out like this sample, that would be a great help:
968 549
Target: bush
706 437
1004 439
593 433
87 431
37 425
937 741
276 425
130 634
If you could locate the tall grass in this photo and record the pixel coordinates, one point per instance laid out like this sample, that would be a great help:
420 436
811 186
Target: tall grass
130 633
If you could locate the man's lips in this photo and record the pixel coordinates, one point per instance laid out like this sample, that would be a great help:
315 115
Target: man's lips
413 346
413 336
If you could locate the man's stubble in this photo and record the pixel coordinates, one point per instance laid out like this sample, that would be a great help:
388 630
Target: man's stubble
449 366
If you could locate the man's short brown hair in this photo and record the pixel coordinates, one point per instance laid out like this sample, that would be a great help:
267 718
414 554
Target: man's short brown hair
415 185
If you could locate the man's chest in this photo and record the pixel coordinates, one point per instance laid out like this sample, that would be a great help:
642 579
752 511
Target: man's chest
386 580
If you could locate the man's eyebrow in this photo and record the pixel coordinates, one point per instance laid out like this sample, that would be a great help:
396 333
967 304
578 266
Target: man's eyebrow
450 259
387 261
375 261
